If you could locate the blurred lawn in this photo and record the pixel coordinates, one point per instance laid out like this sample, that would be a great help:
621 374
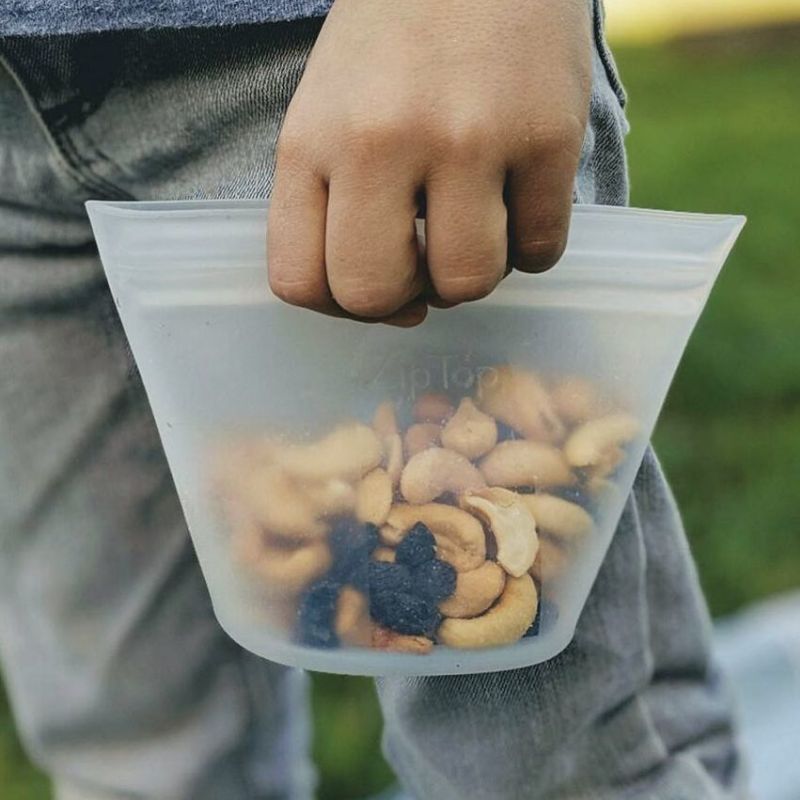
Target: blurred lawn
712 131
716 132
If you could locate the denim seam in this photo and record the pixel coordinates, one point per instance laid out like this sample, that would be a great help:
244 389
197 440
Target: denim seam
71 148
69 159
603 50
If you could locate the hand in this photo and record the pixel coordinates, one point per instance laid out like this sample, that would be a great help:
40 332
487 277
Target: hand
477 109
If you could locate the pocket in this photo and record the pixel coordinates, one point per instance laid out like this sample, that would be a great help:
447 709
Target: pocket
46 71
603 50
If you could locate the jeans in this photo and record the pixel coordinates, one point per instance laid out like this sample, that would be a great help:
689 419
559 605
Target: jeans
121 681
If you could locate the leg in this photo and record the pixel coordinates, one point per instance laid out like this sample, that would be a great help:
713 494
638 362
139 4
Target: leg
122 683
634 707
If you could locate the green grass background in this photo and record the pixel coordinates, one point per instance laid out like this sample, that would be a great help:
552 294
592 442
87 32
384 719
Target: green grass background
712 130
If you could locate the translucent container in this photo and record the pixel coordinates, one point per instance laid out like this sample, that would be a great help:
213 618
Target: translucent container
567 372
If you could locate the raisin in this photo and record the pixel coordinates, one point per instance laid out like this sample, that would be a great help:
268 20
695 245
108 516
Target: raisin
417 547
405 613
386 577
348 535
370 537
351 546
315 616
546 617
358 575
435 580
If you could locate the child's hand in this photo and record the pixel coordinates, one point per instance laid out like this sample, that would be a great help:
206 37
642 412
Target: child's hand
479 108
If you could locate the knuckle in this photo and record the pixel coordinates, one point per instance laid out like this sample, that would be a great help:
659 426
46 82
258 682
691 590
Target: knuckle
375 136
563 132
465 139
292 146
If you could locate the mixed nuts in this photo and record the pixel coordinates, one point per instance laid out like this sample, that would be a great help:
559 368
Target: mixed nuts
441 531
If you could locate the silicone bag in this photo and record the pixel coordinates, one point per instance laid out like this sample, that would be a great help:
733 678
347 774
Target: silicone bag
220 357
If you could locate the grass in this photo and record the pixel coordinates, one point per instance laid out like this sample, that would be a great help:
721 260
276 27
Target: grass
19 780
711 131
717 132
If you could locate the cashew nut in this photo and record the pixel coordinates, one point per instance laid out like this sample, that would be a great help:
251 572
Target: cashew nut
374 497
521 462
511 523
352 624
385 420
436 471
469 431
386 639
551 561
289 569
278 505
433 408
233 461
505 622
560 518
608 463
576 400
332 497
595 442
421 436
460 539
475 591
383 554
518 398
348 452
393 457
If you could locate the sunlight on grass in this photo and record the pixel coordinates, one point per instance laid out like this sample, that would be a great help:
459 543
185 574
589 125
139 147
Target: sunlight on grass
639 21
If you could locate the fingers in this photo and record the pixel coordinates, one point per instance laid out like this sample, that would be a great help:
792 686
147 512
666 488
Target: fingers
297 257
539 200
371 244
409 316
347 246
296 241
465 232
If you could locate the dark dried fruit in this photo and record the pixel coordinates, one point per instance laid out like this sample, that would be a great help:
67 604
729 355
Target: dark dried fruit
546 617
352 544
405 613
315 616
347 536
434 580
388 578
417 546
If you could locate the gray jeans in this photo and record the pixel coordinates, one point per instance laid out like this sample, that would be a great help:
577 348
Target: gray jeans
122 683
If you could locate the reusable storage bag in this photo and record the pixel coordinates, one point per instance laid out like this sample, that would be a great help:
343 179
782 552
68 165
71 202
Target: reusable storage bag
373 501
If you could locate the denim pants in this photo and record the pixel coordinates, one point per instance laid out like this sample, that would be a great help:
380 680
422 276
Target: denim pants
122 684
